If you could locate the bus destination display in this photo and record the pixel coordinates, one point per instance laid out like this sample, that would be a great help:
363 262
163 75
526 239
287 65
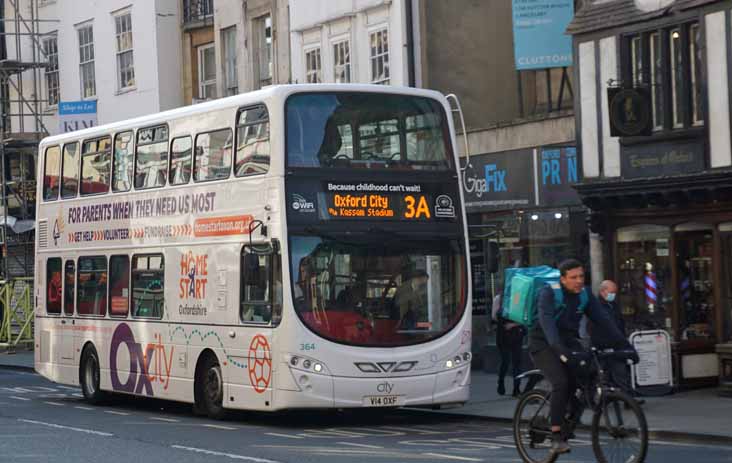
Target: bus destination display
386 201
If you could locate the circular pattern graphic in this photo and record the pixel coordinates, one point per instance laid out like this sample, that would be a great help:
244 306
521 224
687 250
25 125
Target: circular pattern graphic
260 363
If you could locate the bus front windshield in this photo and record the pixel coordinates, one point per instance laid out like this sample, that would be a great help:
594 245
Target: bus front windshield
371 293
367 131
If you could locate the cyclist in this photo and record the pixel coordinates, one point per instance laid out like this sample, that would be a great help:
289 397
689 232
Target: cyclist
555 337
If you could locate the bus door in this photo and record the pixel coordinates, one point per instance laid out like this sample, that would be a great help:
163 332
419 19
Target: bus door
67 320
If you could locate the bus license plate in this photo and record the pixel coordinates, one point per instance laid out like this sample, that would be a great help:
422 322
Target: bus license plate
382 401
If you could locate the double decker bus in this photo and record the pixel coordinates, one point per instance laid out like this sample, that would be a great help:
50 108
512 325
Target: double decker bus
301 246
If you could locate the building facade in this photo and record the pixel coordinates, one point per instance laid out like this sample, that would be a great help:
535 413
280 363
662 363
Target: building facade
522 209
231 47
124 56
653 112
361 41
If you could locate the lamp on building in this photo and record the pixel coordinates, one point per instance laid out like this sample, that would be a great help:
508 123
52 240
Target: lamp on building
558 215
534 217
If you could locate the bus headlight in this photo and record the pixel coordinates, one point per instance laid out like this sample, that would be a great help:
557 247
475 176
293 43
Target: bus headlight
306 364
449 364
318 367
294 361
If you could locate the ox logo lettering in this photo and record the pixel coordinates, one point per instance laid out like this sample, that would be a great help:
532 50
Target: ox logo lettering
385 388
146 367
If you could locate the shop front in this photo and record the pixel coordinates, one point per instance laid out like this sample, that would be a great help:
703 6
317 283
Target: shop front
522 211
673 263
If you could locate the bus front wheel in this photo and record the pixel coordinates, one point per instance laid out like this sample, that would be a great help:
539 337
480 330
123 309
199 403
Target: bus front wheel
210 389
89 376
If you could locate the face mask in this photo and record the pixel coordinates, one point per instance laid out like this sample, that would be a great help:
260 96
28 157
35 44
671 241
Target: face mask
610 297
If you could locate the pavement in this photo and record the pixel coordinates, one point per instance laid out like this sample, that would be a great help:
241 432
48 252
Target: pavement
698 415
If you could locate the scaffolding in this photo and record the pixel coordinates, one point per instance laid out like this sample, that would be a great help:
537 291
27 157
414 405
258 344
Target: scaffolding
23 62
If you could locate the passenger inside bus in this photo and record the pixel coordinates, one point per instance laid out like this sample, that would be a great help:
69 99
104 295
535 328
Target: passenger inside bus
411 300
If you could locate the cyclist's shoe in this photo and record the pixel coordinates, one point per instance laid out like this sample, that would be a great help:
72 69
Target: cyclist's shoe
560 445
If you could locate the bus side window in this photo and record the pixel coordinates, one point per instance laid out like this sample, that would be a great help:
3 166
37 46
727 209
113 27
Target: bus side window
213 155
180 161
260 287
91 292
95 162
53 286
69 282
70 171
148 276
122 165
151 165
252 142
119 285
51 174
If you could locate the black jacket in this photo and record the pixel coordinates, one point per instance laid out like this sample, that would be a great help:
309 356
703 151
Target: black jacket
599 336
563 331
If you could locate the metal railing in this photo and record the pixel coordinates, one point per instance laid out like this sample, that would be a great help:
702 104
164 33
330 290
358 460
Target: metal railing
197 10
16 312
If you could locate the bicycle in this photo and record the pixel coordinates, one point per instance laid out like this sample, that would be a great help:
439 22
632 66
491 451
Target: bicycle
614 413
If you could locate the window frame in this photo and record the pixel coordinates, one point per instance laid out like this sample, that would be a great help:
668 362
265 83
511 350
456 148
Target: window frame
89 63
65 286
264 43
118 34
55 196
342 47
229 60
313 55
106 287
47 286
51 72
195 163
237 126
129 285
382 30
170 160
202 83
78 171
132 310
274 276
136 153
130 153
81 167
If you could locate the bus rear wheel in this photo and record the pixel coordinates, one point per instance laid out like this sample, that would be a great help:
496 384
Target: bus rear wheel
210 382
89 376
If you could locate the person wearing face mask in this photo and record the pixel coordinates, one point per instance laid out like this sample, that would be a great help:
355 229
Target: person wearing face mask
617 369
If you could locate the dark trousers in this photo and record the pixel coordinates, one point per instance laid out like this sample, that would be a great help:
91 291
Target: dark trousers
619 374
561 378
509 343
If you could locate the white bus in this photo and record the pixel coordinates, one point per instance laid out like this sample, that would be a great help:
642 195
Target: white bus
302 246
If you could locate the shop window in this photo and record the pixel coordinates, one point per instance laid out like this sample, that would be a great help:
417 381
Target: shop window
213 155
725 233
69 283
122 173
148 286
53 286
644 277
261 286
694 258
119 285
92 286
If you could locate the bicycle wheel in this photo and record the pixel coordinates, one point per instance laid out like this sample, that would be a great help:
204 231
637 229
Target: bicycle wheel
619 430
532 429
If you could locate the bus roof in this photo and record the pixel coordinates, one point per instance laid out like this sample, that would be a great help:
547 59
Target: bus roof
273 91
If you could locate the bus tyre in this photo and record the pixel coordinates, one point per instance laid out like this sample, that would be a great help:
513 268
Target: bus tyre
211 387
89 376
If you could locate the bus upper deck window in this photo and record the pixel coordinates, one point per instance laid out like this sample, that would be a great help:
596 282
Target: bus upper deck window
95 166
51 174
252 142
151 167
70 170
213 155
180 161
122 168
